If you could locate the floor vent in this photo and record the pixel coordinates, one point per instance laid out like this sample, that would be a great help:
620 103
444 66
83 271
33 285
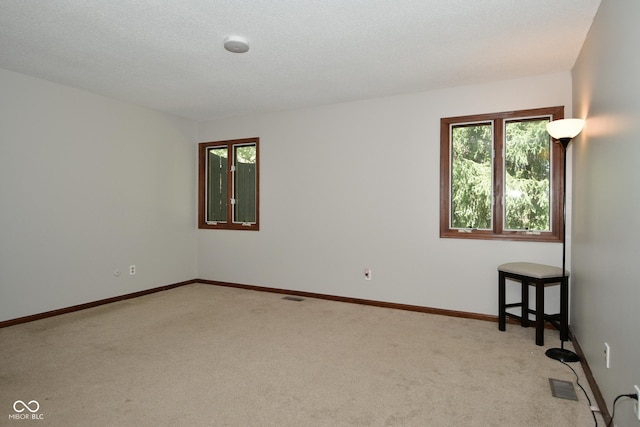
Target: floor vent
290 298
562 389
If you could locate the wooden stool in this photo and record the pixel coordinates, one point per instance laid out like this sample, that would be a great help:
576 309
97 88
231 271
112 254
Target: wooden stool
538 275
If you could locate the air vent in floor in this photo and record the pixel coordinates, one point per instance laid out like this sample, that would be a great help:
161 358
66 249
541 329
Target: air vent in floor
562 389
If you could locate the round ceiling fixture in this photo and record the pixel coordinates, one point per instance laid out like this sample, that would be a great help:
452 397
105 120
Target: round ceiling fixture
236 44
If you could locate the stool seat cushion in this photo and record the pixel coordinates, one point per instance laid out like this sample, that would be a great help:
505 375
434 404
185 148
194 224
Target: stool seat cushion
530 269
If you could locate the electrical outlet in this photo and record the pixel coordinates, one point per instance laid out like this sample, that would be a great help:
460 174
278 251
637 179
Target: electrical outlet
637 403
607 355
132 270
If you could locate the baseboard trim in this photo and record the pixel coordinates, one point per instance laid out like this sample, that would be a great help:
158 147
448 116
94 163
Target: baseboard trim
407 307
38 316
597 394
375 303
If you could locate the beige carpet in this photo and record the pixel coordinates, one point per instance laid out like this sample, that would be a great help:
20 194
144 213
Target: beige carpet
202 355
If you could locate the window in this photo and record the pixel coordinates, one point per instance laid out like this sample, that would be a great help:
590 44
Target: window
228 184
501 176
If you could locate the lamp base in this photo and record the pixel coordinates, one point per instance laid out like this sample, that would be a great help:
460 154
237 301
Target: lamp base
562 355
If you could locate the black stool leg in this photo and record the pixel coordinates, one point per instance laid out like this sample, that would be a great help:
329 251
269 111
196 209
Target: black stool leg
539 312
524 321
502 301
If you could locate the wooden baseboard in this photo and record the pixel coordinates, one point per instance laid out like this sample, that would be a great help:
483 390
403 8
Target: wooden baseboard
408 307
601 403
418 308
79 307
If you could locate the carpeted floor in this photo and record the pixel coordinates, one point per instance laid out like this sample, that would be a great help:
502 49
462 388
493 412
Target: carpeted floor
203 355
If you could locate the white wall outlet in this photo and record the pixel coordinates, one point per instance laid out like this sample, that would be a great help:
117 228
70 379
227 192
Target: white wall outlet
607 356
367 273
637 403
132 270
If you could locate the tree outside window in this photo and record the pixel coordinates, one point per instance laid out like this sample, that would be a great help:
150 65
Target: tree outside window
501 176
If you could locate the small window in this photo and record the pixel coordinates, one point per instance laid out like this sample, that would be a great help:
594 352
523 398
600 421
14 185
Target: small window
501 176
228 184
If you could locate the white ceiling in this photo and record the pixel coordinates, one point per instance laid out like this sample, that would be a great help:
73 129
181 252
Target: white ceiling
168 54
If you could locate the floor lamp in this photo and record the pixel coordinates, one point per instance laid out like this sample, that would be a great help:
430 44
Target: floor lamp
564 131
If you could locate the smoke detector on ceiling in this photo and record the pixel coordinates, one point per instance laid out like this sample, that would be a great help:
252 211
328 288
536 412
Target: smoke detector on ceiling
236 44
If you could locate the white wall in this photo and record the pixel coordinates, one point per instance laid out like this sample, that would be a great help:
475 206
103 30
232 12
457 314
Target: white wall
356 185
89 185
606 303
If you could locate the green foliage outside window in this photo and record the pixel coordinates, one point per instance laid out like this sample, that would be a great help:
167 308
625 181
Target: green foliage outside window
527 166
527 180
471 172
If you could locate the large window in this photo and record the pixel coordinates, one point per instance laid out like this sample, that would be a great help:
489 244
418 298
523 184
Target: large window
228 184
501 176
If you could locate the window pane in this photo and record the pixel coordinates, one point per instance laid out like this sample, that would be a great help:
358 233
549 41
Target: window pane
527 175
217 185
471 176
245 183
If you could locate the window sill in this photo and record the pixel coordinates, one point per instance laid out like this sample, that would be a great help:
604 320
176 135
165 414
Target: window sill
520 236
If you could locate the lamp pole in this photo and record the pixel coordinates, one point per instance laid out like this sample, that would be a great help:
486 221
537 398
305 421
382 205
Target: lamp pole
563 131
565 143
561 353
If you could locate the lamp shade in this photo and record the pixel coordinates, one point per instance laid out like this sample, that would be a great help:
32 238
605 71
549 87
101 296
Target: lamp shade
565 128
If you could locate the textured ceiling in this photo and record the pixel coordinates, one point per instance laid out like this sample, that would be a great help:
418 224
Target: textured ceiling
168 55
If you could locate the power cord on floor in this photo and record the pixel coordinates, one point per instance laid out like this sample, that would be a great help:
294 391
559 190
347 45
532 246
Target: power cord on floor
613 414
595 420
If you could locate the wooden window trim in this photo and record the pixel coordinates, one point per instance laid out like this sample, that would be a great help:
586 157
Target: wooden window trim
498 232
202 177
